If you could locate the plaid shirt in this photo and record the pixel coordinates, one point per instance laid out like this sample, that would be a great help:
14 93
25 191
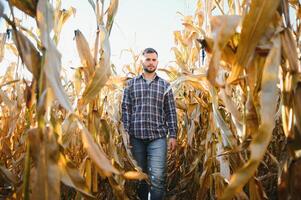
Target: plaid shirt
148 112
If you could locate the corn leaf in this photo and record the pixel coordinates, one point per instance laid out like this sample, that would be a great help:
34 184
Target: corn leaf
71 176
102 72
52 57
3 37
111 12
259 144
96 153
254 26
28 53
27 6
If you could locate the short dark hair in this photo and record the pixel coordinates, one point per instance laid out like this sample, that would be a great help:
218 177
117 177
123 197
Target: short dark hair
149 50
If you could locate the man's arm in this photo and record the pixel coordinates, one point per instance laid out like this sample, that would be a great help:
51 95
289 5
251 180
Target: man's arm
170 114
126 108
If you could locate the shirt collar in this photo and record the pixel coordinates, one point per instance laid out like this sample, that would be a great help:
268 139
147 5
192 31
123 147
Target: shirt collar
155 78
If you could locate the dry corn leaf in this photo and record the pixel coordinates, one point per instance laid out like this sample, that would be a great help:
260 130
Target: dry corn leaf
96 153
252 117
194 56
227 137
126 142
189 39
99 12
178 38
191 129
8 176
12 48
27 6
52 57
288 186
224 164
1 9
254 79
195 82
180 59
189 25
219 182
118 189
191 108
200 17
53 172
68 131
102 72
171 72
77 81
230 105
258 146
187 21
294 2
256 190
204 179
228 53
61 17
28 53
291 88
269 89
4 98
47 186
290 50
3 37
224 28
13 112
254 75
71 176
35 144
88 172
92 4
297 107
255 24
111 12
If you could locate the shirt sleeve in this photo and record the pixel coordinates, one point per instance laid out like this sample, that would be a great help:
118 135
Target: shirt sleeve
126 108
170 114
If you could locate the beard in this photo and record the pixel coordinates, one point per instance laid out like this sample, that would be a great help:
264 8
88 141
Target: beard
149 70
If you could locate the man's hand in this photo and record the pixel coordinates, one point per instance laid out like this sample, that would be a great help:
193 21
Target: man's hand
172 143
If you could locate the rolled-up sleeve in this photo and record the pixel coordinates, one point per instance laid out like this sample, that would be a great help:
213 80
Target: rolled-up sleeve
170 114
126 108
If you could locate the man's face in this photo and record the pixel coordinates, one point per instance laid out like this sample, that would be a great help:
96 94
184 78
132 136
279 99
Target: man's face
150 62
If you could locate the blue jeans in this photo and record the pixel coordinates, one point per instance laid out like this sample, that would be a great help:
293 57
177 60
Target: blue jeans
151 157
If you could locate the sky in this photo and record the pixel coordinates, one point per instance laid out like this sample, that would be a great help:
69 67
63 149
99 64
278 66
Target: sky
138 24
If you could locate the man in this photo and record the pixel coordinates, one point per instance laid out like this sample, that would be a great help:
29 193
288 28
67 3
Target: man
148 116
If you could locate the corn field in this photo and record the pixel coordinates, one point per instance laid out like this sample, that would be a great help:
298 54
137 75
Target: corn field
237 85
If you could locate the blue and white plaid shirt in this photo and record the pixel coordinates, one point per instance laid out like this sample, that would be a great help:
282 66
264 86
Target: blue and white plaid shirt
148 111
